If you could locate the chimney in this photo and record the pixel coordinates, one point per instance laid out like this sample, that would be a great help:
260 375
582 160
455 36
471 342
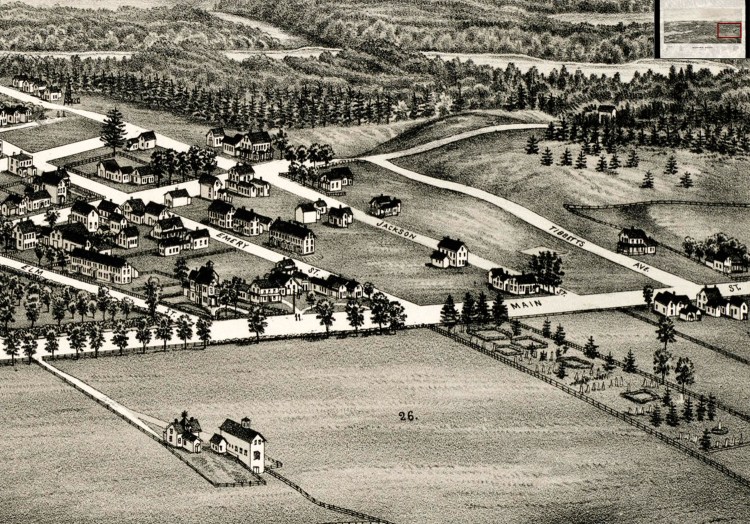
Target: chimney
245 422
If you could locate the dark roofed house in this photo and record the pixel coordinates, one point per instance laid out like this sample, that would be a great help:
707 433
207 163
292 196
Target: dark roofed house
108 268
292 236
177 198
523 284
26 235
86 214
218 444
439 259
385 206
127 238
710 301
147 140
306 213
215 137
202 286
340 216
57 184
155 212
606 112
458 253
336 179
184 433
244 443
256 147
231 144
170 246
107 207
168 228
134 210
691 313
221 214
209 186
635 241
670 304
250 223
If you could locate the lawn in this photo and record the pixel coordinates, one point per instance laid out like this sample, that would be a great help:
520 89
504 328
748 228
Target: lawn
475 444
54 134
68 460
437 128
488 231
617 332
362 252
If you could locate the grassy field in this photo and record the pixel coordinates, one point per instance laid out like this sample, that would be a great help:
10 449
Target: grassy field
617 332
478 450
436 129
489 231
55 134
68 460
362 252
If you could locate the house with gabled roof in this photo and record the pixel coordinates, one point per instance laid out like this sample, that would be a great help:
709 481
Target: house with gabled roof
670 304
116 222
215 137
197 238
147 140
336 179
69 236
736 308
457 252
202 286
337 287
22 164
86 214
231 144
14 205
183 433
37 200
155 212
142 175
635 241
127 237
134 210
606 112
25 235
256 147
340 216
221 214
250 223
384 206
56 183
241 180
107 208
291 236
168 228
710 301
691 313
110 169
306 213
520 284
245 443
177 198
101 266
209 186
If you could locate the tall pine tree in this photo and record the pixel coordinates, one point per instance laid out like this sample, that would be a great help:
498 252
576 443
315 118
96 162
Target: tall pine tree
113 130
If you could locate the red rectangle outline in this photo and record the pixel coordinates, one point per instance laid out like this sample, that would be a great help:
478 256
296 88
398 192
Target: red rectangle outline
728 23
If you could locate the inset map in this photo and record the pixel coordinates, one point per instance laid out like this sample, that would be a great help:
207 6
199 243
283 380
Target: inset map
703 26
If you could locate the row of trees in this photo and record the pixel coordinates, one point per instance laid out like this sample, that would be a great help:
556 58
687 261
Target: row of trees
717 246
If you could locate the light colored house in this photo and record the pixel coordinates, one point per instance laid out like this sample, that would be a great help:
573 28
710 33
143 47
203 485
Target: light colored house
221 214
306 213
110 169
523 284
245 444
241 180
340 216
606 112
22 165
134 210
210 186
727 264
458 253
292 236
37 200
736 308
215 137
231 144
155 212
256 147
177 198
108 268
14 205
250 223
439 259
147 140
70 236
56 183
670 304
107 208
142 175
336 179
116 222
171 227
218 444
25 235
385 206
86 214
634 241
710 301
197 239
203 286
691 313
170 246
321 206
127 237
184 433
336 287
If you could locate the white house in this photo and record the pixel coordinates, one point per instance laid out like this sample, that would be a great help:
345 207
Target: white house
245 444
458 253
177 198
86 214
634 241
184 433
523 284
306 213
215 137
340 216
210 187
670 304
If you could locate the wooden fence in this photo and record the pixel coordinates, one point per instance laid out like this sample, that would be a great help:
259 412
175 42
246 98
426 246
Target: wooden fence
656 203
603 407
332 507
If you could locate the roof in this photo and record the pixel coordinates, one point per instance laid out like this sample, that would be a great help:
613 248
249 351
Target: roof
221 207
147 135
199 233
243 169
130 231
236 430
243 215
308 207
259 137
450 244
117 217
99 258
52 177
606 107
144 170
170 223
338 173
438 255
22 156
108 207
667 297
171 241
13 198
384 201
190 437
127 170
233 140
110 165
154 208
136 205
634 232
266 283
83 208
26 226
736 301
690 308
217 439
204 275
291 228
216 131
522 279
208 180
340 211
713 296
73 232
42 194
178 193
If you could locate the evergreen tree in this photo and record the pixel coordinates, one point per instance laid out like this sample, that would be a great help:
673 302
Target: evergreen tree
667 398
482 309
711 408
561 371
684 372
499 310
515 327
468 310
547 157
532 145
609 363
687 410
591 350
648 181
705 440
656 417
547 328
614 162
113 130
566 159
633 159
672 419
581 162
559 337
549 134
686 180
700 412
671 167
629 366
601 164
449 314
648 295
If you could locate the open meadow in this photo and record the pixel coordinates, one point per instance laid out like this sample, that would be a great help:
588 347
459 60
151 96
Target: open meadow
54 134
474 452
68 460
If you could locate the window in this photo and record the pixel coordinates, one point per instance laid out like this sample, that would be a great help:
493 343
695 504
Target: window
256 455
